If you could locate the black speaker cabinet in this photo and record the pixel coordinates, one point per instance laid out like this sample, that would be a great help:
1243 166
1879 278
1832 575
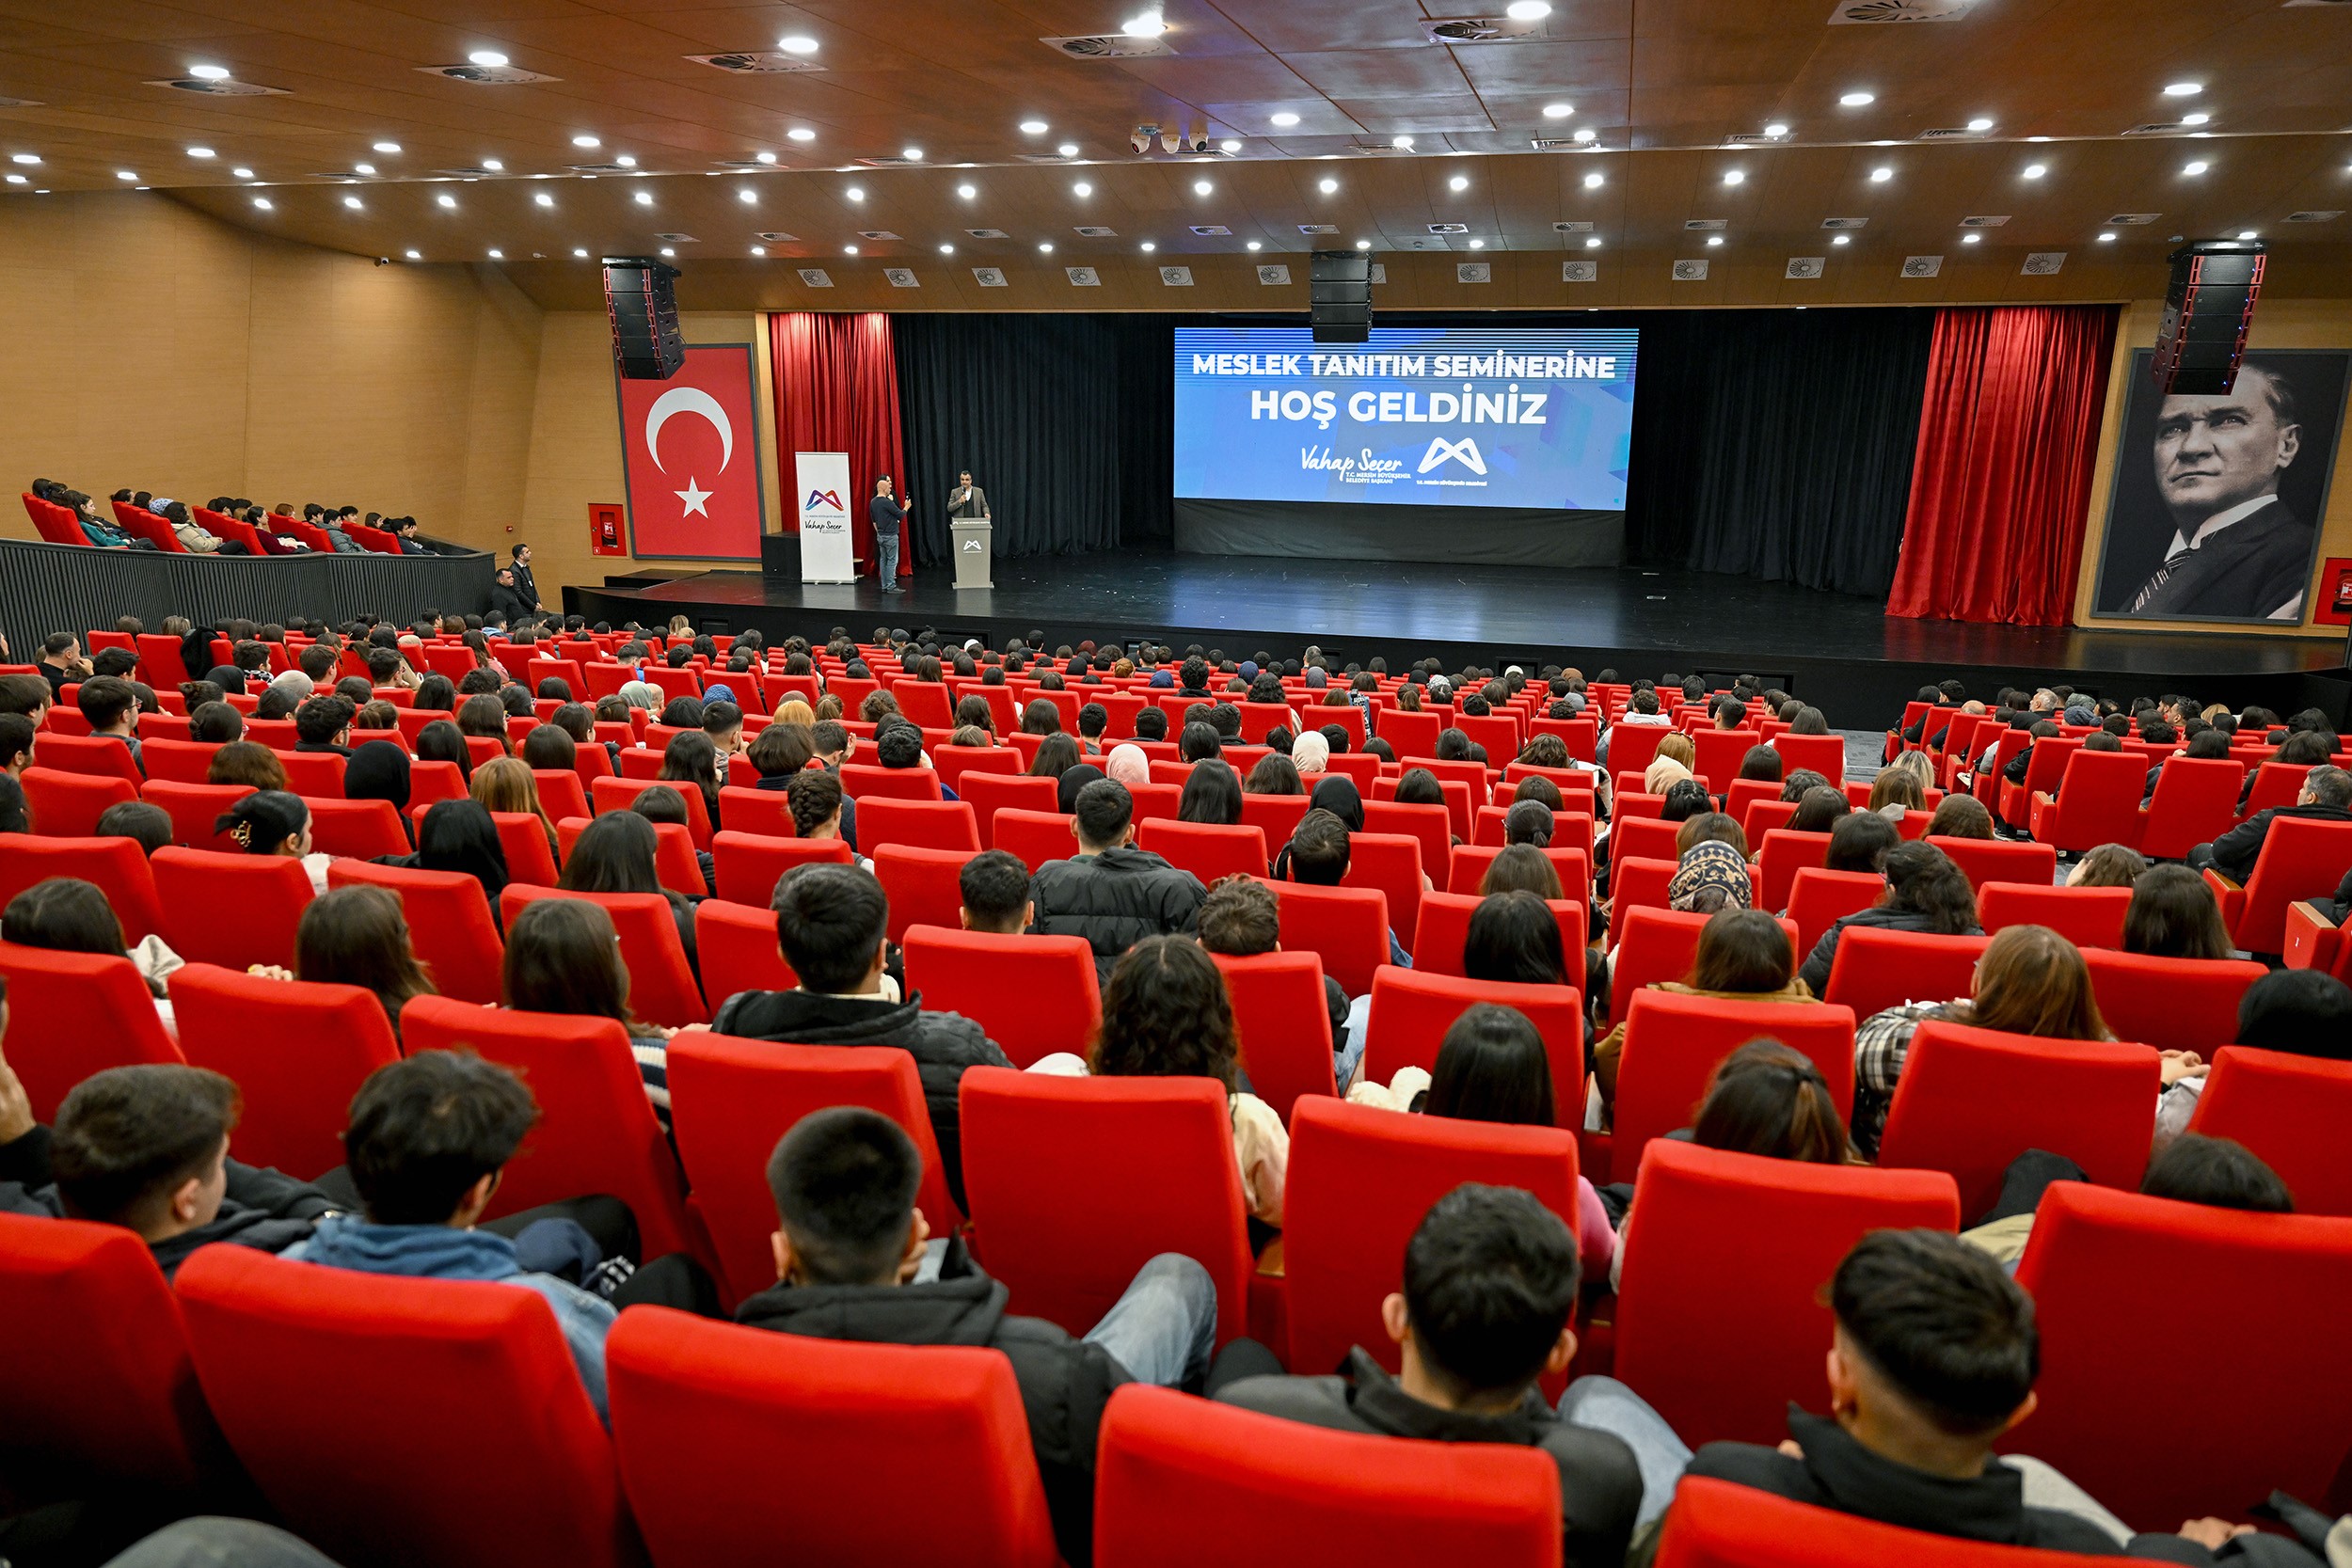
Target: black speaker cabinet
2207 309
643 309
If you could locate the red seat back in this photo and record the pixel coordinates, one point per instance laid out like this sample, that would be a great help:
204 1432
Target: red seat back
1819 899
2114 1277
1709 1228
1431 825
231 910
2300 858
1876 969
1644 838
1412 1011
596 1133
1781 854
180 761
750 865
2097 802
298 1052
1662 944
989 793
920 824
68 805
1722 1524
1137 1166
1720 752
103 1387
562 793
863 782
2171 1003
117 867
954 764
1999 860
2292 1111
72 1014
706 1416
732 1100
193 809
2195 802
318 774
1283 1018
661 986
736 944
449 925
529 858
1033 995
615 795
924 886
1410 735
2086 916
362 830
319 1373
1390 862
1361 1180
1347 926
1275 816
745 810
1443 930
1674 1044
1470 862
1970 1101
1207 850
1823 753
92 757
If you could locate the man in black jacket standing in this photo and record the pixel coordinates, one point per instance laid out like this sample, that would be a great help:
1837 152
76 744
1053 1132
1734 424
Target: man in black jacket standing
886 516
854 1260
1111 893
832 923
523 582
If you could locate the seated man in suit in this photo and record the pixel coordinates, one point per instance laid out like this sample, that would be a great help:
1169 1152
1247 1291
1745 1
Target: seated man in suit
2325 796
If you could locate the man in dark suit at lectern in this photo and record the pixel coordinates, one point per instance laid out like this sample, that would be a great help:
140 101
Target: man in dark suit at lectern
967 499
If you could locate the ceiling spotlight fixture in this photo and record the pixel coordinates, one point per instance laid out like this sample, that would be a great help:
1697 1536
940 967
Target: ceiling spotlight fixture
1970 239
586 141
2035 171
263 202
1148 245
353 202
445 199
2184 89
1593 244
1201 187
1733 177
2247 234
665 250
912 154
579 252
946 250
544 200
18 180
1587 134
1144 25
800 132
759 250
1980 124
1285 119
764 157
1046 247
1253 245
1067 149
748 197
1528 10
2037 138
1841 239
2197 168
1858 100
500 255
626 160
25 157
494 166
1881 175
856 193
209 72
240 173
490 58
1363 245
2200 118
1082 188
1404 143
1033 128
797 43
1594 181
414 255
967 192
1459 183
1776 130
1558 111
1478 244
1230 144
849 250
199 152
1714 239
125 174
2107 237
363 169
386 147
645 198
1326 184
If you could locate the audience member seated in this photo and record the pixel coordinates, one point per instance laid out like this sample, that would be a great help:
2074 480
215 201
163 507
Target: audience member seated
139 819
2173 914
615 854
1212 795
1111 893
1925 892
2107 865
1514 940
564 956
111 705
356 936
1490 1288
2325 796
855 1260
2187 1168
270 821
1240 919
1318 852
994 887
1743 956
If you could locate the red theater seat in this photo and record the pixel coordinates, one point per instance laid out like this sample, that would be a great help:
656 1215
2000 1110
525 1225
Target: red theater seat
1995 860
2196 802
116 865
362 830
230 909
989 793
68 805
2097 802
750 865
316 774
1412 1012
1819 899
617 794
449 925
2171 1003
2300 859
90 756
1348 927
1674 1043
1282 1017
1033 995
2292 1111
863 781
1722 1524
1877 968
661 985
736 946
194 808
72 1014
920 824
2085 916
298 1052
1206 850
924 886
1657 946
180 761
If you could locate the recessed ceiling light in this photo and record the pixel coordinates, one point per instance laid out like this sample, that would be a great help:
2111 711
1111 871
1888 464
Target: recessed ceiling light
1082 188
624 159
912 154
1776 130
1558 111
489 57
764 157
199 152
586 141
1285 119
209 72
1970 239
1594 181
1980 124
1326 184
263 202
967 192
2201 117
1858 100
1478 244
1363 245
2108 238
1144 25
446 199
802 132
353 202
645 198
544 200
668 251
363 169
1528 10
1201 187
1714 239
580 252
1033 128
1230 145
125 174
1404 142
854 193
2247 234
747 197
1841 239
1881 175
946 250
2197 168
759 250
1733 177
18 180
2184 89
500 255
797 43
849 250
386 146
493 166
242 173
1068 150
1149 245
2037 138
2035 171
414 255
1593 244
25 157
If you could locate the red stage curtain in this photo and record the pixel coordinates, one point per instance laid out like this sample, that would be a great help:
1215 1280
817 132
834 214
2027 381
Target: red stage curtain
2001 484
837 390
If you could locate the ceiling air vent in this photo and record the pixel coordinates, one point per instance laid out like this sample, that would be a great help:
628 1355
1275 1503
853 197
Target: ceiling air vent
1557 144
1922 266
1863 12
1096 231
1571 227
1084 278
1209 231
816 277
756 63
1689 272
474 171
1422 242
1984 221
1380 149
1579 272
222 90
902 277
1448 228
1274 276
599 168
776 236
1045 158
1805 266
2316 216
487 75
1479 29
986 234
1706 224
678 239
19 102
887 162
2162 128
1845 223
1753 138
989 278
1473 272
1333 227
876 234
1950 132
742 165
2043 264
1109 46
2134 217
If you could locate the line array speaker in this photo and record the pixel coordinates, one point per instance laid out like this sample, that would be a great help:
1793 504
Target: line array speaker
2207 309
643 308
1339 284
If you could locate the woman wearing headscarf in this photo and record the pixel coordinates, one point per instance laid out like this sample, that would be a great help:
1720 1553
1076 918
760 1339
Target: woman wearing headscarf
1127 765
643 694
1073 780
460 836
228 677
273 822
1311 754
1339 795
1712 876
378 771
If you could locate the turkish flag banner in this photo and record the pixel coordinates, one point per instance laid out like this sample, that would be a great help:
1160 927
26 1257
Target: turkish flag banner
690 450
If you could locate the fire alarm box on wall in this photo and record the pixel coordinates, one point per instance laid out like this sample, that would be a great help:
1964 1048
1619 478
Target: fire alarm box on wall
604 529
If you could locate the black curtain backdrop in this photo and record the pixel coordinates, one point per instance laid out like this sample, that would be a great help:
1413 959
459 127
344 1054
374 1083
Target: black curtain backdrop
1774 444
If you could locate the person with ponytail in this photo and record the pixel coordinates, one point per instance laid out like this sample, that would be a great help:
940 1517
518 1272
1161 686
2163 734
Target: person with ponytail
272 822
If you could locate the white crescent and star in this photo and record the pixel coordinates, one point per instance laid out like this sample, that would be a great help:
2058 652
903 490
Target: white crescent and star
689 400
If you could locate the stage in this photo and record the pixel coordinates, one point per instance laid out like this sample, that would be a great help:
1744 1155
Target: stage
1842 653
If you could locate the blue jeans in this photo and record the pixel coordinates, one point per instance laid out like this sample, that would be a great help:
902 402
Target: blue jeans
886 551
1604 1405
1165 1327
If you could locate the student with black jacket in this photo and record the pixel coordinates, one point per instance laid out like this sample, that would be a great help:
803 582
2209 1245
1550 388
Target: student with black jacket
2325 796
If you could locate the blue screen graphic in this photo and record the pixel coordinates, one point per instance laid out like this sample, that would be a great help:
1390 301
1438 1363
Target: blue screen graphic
1417 416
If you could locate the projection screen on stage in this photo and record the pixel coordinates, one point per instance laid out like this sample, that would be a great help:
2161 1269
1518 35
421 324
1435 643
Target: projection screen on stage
1500 444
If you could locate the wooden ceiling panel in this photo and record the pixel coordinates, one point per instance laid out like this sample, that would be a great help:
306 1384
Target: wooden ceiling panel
1541 73
1312 26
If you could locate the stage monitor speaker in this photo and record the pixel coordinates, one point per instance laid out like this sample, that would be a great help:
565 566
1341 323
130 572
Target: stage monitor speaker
1338 285
643 308
2207 309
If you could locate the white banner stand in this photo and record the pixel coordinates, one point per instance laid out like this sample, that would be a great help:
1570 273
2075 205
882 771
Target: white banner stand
827 553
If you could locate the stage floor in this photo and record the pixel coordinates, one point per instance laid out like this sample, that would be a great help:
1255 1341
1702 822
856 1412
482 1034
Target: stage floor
1834 648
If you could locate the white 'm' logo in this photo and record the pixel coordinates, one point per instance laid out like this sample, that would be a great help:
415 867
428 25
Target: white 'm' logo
1465 450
